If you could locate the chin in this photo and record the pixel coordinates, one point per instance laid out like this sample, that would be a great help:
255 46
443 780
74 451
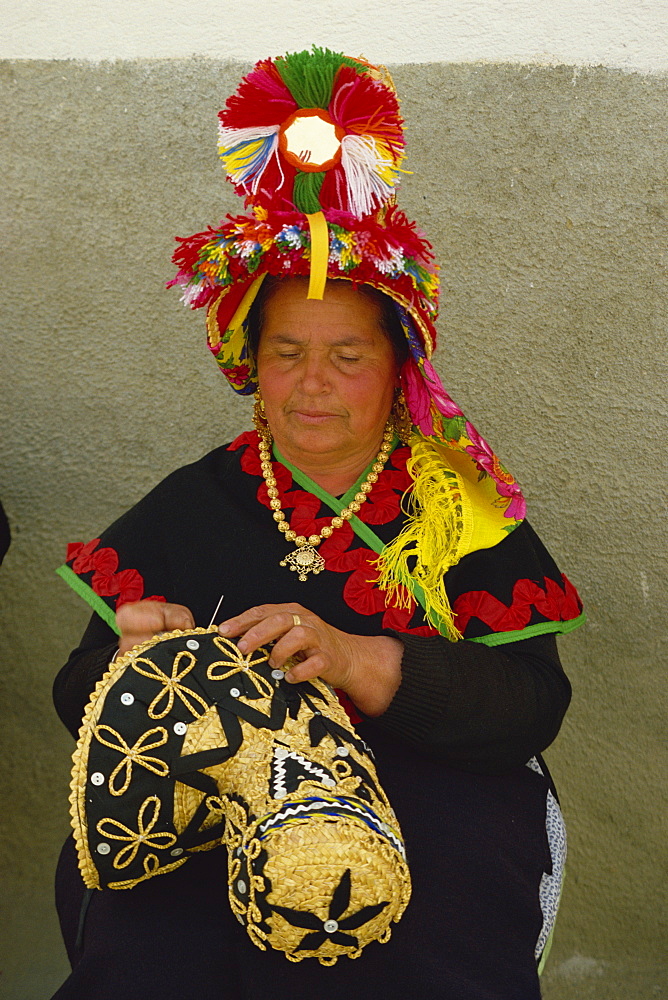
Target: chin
318 441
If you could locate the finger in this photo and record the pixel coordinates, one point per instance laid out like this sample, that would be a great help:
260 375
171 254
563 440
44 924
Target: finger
313 666
138 622
299 639
177 616
142 620
140 616
241 623
268 630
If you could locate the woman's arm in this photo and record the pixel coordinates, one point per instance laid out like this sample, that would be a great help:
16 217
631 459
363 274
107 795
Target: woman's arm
75 681
138 622
481 708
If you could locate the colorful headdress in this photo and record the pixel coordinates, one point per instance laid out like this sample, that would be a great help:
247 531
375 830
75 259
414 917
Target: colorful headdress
314 143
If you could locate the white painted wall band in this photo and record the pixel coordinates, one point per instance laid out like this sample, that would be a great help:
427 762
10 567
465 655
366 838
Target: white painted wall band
625 34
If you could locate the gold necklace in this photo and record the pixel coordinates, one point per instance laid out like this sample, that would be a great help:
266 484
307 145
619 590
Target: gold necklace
305 559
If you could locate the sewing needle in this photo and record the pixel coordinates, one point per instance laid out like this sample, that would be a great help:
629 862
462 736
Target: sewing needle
213 616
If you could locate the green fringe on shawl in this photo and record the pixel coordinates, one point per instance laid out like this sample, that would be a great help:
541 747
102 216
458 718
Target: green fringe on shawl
428 545
306 192
309 75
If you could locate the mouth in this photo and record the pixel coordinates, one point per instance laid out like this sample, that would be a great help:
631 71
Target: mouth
314 417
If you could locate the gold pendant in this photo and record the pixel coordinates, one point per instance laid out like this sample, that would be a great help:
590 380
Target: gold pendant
304 560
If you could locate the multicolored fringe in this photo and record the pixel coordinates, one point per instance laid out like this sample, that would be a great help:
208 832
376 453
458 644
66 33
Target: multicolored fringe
387 253
352 98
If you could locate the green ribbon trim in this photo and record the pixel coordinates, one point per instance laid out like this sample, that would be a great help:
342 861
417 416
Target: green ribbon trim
546 951
359 527
81 588
550 938
334 503
540 628
373 541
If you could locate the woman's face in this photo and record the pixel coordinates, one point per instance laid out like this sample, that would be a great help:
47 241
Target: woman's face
326 370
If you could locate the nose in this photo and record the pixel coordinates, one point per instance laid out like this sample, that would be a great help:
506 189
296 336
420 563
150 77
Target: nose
314 377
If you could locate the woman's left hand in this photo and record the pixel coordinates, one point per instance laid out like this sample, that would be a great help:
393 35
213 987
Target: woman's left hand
367 668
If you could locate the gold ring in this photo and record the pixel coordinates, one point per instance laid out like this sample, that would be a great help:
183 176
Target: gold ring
296 620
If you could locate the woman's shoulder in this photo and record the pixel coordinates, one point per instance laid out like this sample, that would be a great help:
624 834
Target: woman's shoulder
188 496
142 551
217 471
513 589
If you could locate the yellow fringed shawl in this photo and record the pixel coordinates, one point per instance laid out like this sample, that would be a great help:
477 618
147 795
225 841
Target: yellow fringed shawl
452 510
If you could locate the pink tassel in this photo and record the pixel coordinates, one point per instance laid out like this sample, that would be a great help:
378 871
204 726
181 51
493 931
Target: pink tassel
444 404
417 397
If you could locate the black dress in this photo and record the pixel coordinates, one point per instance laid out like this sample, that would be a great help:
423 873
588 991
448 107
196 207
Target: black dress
451 751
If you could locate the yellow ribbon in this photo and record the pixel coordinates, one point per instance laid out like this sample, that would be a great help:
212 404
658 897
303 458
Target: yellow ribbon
317 224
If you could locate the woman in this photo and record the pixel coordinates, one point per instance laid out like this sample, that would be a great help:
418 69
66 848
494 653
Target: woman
443 649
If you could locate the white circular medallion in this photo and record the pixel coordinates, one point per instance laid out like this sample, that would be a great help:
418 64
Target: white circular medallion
97 778
192 644
342 751
330 926
103 848
235 692
310 140
127 698
241 886
180 728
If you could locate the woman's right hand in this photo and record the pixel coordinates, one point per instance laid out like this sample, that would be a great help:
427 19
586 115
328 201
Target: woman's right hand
142 620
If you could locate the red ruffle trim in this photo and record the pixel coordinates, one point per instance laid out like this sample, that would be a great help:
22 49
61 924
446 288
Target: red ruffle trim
107 581
360 591
555 602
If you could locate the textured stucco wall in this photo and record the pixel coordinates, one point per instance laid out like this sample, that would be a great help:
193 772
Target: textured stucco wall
543 190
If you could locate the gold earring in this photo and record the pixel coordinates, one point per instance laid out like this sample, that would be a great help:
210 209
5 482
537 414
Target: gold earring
259 416
403 424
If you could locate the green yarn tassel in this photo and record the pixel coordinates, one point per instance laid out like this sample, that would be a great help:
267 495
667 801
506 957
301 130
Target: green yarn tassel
309 76
306 192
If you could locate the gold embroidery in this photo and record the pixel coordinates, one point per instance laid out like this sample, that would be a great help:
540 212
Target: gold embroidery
134 755
127 854
151 868
172 685
236 661
215 804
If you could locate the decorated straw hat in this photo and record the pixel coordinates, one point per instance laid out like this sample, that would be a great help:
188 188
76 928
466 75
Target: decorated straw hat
188 744
313 141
